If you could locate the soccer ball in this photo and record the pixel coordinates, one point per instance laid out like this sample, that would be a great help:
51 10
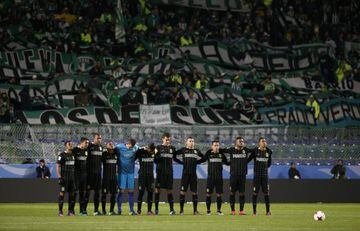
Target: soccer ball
319 216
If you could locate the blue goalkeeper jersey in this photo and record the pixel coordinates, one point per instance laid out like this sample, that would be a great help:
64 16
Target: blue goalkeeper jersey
127 158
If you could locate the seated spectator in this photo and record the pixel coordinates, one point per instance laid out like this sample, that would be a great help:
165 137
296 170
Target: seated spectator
293 172
42 171
339 171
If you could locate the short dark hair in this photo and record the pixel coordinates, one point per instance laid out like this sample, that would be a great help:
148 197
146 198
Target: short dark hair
239 138
42 161
82 139
261 138
66 142
166 134
96 134
189 137
132 141
215 141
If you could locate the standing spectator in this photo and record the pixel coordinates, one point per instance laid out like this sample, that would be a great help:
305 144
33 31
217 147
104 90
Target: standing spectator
82 99
314 106
339 171
293 172
42 171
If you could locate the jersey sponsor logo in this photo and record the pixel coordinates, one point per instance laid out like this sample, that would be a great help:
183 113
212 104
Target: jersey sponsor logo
111 161
81 158
96 153
215 160
262 159
167 155
191 156
69 162
147 159
239 155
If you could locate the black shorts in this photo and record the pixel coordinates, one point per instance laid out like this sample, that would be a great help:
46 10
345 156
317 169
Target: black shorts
80 181
68 185
216 183
237 183
164 181
187 180
262 182
146 183
94 181
109 186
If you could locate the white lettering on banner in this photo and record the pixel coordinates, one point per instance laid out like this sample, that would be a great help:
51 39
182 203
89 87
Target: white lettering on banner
155 114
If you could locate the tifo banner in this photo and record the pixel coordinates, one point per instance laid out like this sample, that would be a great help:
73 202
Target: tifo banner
120 21
231 5
339 112
335 112
131 115
275 172
155 114
308 84
243 52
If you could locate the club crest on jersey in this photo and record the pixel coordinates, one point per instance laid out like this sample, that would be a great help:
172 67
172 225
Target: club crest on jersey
267 154
243 151
86 153
100 148
195 151
170 151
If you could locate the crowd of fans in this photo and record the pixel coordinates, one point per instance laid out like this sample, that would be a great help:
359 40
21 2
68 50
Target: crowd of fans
89 26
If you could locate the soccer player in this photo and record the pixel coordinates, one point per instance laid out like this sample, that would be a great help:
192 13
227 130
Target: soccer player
81 154
190 158
164 172
262 161
215 159
94 161
65 169
146 157
126 180
109 181
238 170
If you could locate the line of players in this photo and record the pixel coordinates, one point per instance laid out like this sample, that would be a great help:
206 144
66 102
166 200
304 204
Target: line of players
80 170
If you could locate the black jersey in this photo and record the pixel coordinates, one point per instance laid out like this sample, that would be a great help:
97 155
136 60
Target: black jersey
110 163
164 159
146 160
262 161
238 159
67 164
190 158
215 163
80 160
94 158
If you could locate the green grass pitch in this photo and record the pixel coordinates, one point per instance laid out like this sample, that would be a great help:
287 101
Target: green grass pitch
284 217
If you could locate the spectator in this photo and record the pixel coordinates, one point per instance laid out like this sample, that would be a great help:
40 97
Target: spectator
339 171
42 171
314 106
293 172
82 99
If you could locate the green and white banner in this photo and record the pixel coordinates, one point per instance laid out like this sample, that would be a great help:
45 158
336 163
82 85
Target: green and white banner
231 5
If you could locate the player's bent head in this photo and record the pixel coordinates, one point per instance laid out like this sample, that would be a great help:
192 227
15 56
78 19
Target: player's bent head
151 147
166 138
131 142
110 145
